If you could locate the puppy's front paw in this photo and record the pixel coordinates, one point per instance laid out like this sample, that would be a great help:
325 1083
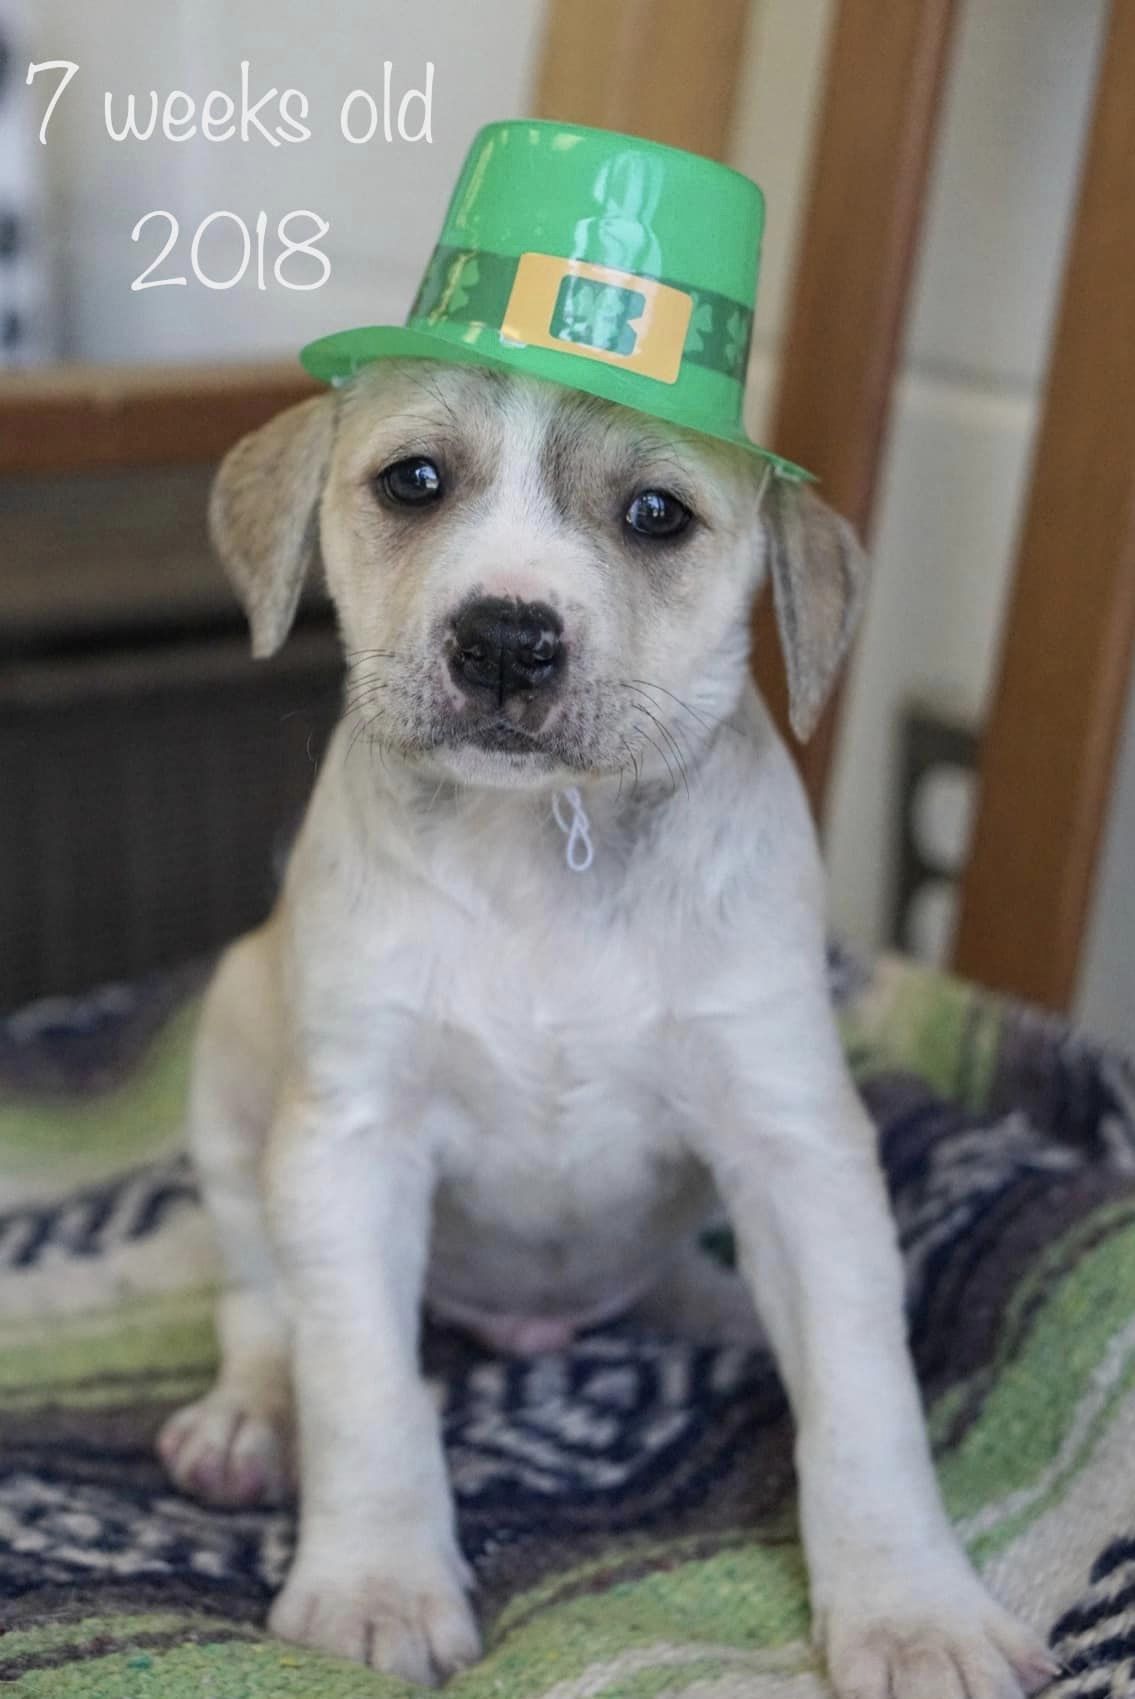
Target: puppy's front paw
410 1620
952 1643
218 1451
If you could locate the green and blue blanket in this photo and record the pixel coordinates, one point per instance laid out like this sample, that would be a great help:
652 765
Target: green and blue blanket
628 1506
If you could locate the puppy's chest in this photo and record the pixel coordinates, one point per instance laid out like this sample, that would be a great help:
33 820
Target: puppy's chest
555 1051
564 1171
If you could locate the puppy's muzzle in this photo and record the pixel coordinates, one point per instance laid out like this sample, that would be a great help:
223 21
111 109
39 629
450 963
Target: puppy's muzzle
504 650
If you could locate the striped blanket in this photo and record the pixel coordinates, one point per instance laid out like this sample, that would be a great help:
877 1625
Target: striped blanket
628 1506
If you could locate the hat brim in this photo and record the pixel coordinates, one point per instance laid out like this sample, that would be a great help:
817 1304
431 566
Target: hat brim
337 359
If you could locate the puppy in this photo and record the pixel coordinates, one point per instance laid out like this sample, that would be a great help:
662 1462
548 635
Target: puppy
546 980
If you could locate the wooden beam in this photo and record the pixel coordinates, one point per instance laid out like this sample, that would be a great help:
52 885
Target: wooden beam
1058 708
886 73
664 69
98 418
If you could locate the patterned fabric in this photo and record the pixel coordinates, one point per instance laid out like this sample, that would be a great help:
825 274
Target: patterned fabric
628 1506
474 287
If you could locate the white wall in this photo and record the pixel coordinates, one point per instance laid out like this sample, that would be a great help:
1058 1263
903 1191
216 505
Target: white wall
384 201
957 463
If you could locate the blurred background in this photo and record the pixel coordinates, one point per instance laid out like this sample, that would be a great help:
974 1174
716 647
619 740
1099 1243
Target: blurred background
139 813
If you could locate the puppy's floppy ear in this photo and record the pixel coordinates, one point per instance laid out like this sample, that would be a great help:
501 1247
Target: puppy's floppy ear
264 515
819 575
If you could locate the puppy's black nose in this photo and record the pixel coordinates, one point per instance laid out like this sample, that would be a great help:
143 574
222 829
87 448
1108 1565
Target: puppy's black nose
500 648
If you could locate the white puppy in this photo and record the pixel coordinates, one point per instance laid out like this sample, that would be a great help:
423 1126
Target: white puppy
546 979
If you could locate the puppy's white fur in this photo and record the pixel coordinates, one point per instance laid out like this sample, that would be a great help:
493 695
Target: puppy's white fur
449 1070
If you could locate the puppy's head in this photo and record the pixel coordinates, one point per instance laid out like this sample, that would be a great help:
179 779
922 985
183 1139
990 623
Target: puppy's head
530 583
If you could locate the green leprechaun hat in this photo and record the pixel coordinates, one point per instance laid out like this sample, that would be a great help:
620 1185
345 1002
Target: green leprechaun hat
601 262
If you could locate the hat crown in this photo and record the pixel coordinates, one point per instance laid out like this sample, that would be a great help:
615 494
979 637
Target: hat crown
612 200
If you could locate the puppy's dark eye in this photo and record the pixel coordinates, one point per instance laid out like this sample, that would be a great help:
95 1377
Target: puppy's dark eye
411 483
656 513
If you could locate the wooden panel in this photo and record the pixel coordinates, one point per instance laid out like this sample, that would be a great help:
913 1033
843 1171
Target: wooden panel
886 73
91 418
1058 708
665 69
98 557
89 554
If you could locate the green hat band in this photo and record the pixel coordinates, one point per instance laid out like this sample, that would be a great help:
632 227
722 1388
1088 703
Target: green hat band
472 286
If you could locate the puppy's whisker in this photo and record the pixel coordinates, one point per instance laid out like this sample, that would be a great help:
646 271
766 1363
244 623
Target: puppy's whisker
673 734
364 697
365 681
661 750
655 708
364 668
378 743
626 750
711 726
355 736
358 676
362 730
360 680
364 712
679 753
372 660
672 744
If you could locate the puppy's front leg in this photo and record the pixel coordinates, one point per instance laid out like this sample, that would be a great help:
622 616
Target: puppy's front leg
896 1606
378 1575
